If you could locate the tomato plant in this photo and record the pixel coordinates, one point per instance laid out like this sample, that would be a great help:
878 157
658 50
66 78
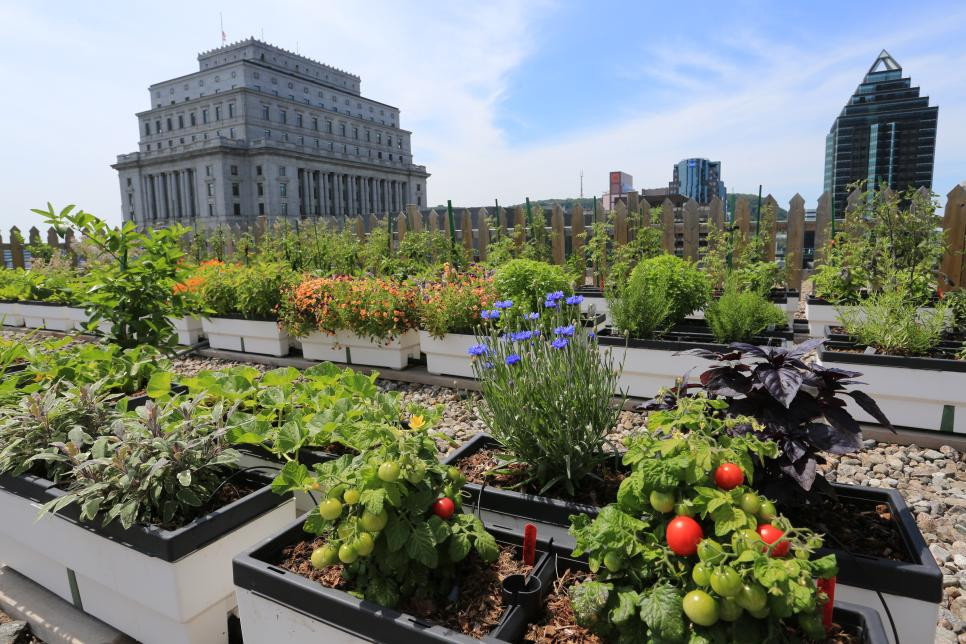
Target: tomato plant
770 535
443 508
683 535
728 476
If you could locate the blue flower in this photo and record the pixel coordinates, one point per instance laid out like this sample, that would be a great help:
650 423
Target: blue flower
564 330
487 365
520 336
575 299
559 343
512 359
478 350
591 335
533 316
551 304
555 296
505 304
490 315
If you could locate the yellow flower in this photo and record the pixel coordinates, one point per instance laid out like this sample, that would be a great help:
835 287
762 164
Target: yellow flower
417 422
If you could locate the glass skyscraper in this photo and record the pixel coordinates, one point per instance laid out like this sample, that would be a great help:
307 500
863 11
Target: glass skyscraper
698 179
885 135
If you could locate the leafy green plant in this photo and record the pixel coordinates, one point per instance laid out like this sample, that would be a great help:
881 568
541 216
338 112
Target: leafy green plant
53 362
525 282
739 315
661 292
893 324
130 284
453 302
253 292
547 395
956 304
686 496
390 517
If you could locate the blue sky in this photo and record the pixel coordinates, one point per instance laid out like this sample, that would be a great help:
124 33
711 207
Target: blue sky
505 99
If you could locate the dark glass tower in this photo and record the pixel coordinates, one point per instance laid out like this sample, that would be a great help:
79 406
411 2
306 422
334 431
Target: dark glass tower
885 135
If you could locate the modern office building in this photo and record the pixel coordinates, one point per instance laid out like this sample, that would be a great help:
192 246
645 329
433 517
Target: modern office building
259 130
619 184
698 179
885 135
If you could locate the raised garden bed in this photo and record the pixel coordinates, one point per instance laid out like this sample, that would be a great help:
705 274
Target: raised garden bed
10 314
448 355
189 329
250 336
46 315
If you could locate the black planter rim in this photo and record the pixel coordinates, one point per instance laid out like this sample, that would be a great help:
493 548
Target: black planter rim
884 360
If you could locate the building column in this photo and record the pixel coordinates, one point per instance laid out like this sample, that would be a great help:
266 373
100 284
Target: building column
351 194
324 187
316 192
339 190
365 197
193 191
152 186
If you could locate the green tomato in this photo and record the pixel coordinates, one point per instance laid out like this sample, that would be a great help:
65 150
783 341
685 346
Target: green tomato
767 512
374 522
453 473
662 501
613 562
700 607
365 544
701 574
726 582
683 509
336 492
330 509
750 503
324 556
747 539
351 496
811 624
752 597
730 610
710 551
389 471
347 554
416 473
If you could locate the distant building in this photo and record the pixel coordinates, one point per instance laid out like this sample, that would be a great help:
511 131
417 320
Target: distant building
698 179
259 130
885 135
619 185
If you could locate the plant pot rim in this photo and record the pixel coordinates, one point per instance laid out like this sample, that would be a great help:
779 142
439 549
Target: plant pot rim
244 318
886 360
606 338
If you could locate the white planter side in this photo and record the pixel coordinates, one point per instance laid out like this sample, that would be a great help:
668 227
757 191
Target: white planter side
263 620
189 329
322 347
391 354
19 551
791 307
910 397
915 619
646 371
186 601
250 336
448 355
10 314
81 318
598 304
52 318
819 316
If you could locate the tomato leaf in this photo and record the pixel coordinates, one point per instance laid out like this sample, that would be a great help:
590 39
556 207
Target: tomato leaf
661 611
421 546
589 600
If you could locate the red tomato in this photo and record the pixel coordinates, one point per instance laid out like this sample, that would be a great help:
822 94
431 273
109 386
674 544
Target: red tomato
444 508
770 534
683 534
728 476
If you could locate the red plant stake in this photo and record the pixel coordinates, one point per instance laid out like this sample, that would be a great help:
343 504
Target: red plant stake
827 586
529 543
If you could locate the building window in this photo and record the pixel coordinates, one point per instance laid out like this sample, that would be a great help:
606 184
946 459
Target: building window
169 123
207 170
284 208
211 189
267 133
258 170
379 137
282 116
180 121
217 112
298 120
231 133
285 136
315 124
389 141
147 128
260 187
368 135
204 115
301 140
237 209
233 170
316 143
283 190
265 112
157 127
281 170
211 210
192 119
261 208
231 110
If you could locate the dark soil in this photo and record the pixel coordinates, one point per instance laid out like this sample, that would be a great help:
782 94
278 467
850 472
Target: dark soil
477 468
557 624
856 525
475 613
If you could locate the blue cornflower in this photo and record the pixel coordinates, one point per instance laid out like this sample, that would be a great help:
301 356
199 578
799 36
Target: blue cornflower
564 330
478 350
591 335
504 304
490 315
487 365
512 359
533 316
551 304
520 336
575 299
559 343
553 297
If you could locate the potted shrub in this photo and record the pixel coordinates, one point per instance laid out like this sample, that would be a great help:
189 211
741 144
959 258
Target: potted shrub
449 313
243 303
801 405
46 295
389 530
145 508
373 318
913 366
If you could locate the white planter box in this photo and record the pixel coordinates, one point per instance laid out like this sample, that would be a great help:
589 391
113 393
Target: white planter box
819 316
10 313
932 398
598 304
52 317
391 354
189 329
647 370
182 602
250 336
448 355
322 346
81 318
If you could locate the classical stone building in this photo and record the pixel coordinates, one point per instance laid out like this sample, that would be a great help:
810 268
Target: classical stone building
258 130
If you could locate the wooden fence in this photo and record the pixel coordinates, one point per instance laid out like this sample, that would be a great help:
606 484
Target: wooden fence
684 229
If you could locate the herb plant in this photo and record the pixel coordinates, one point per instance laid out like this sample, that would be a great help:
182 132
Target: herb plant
738 316
252 292
893 324
526 281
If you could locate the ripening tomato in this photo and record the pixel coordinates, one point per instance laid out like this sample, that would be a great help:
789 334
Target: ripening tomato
330 509
729 609
728 476
365 544
324 556
351 496
374 522
683 535
444 508
700 607
726 582
348 554
770 534
388 471
750 503
767 512
661 501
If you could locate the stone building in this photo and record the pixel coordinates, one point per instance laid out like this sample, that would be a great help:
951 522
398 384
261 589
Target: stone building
258 130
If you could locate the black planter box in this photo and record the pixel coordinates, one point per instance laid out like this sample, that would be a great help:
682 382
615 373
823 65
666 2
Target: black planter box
308 456
828 354
27 486
677 341
361 618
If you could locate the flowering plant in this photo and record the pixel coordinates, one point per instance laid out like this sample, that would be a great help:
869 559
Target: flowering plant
453 303
547 392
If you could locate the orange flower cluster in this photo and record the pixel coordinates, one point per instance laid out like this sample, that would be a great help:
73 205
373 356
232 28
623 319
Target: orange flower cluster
454 303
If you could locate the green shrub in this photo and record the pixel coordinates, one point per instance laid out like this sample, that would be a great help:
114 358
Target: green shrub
738 315
758 277
893 324
526 282
661 292
253 292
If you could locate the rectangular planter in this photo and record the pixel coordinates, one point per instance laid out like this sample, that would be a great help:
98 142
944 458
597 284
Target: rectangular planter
593 299
393 353
250 336
152 584
323 347
81 318
44 315
921 393
10 314
189 329
448 355
276 605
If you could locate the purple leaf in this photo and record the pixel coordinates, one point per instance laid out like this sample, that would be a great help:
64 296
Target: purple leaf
805 348
871 408
841 419
803 472
701 353
829 439
749 349
783 384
